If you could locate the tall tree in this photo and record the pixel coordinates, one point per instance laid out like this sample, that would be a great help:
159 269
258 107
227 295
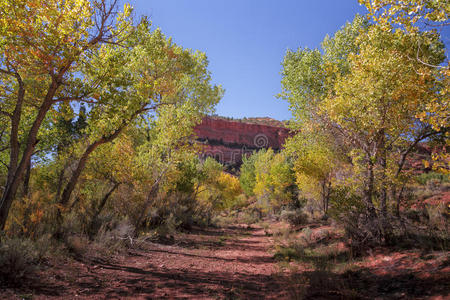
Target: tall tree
147 73
367 93
43 41
416 16
316 160
82 52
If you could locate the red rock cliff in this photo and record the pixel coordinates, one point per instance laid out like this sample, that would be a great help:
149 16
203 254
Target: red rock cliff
228 140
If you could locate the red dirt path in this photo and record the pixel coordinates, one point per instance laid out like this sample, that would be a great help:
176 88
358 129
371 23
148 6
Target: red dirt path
235 263
228 263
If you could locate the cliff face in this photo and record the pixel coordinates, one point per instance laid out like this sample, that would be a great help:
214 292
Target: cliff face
228 140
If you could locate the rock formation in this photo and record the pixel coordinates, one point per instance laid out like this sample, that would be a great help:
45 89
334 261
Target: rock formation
228 140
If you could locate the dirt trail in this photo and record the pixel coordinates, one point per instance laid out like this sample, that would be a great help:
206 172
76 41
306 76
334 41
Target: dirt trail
227 263
236 263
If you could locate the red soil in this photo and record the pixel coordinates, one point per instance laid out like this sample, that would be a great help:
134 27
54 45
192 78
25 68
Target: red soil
236 263
229 263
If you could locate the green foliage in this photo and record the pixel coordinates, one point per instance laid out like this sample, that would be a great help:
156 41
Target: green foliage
270 178
294 217
81 85
308 75
247 177
358 105
408 13
424 178
316 161
343 201
218 189
417 18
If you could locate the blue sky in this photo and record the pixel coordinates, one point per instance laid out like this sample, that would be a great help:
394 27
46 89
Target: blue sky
245 41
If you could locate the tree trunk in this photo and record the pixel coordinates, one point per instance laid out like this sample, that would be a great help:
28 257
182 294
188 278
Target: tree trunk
150 196
385 224
327 198
383 190
60 181
372 223
100 208
326 191
399 199
26 181
65 197
14 135
15 178
368 192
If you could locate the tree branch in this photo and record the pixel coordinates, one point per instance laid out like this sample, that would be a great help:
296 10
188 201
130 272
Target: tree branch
5 113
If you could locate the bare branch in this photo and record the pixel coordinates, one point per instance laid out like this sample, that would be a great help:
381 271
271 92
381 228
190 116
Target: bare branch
426 64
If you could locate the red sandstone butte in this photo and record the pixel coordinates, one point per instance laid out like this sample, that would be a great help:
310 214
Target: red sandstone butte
227 140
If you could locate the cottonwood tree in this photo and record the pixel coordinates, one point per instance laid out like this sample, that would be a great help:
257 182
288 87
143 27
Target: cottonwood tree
381 116
80 51
416 16
247 177
165 158
43 42
367 93
274 179
149 73
316 160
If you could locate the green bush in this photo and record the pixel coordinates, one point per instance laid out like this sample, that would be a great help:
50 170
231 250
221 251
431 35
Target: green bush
294 217
434 177
168 227
343 201
249 217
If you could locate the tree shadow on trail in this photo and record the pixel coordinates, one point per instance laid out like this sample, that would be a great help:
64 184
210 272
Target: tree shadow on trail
96 278
363 284
197 283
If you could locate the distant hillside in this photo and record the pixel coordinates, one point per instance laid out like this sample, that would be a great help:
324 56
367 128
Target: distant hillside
227 139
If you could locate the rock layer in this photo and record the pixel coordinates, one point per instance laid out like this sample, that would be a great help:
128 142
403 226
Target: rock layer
228 140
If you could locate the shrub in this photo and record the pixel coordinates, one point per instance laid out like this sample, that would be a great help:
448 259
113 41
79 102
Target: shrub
322 234
168 227
18 258
294 217
241 202
307 235
362 231
439 178
115 236
343 201
437 216
77 244
288 253
32 216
